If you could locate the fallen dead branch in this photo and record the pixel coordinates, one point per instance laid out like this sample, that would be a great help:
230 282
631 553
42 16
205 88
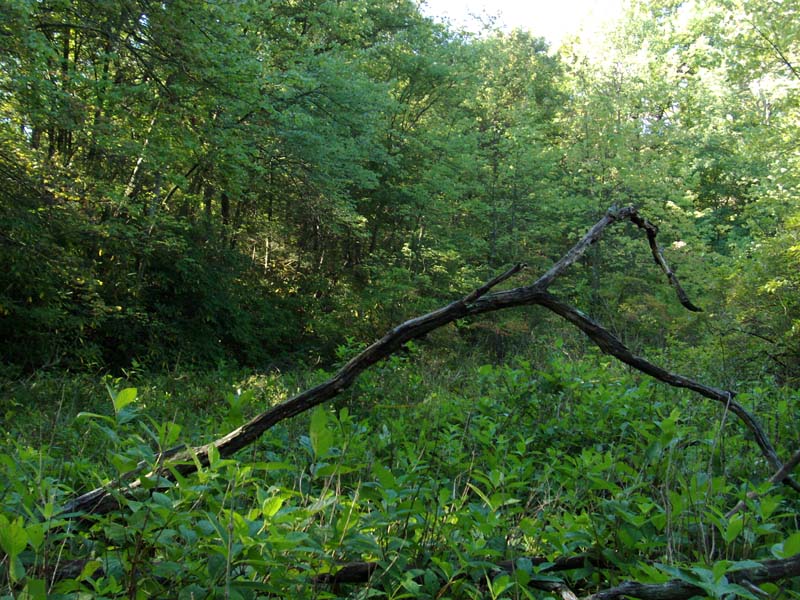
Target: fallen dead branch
675 589
779 476
105 499
362 571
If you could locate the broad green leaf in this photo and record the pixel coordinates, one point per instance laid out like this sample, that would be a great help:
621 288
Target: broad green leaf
319 433
213 457
35 533
126 415
791 546
324 469
216 565
734 528
384 476
743 564
13 537
720 568
123 398
17 569
272 505
35 589
162 499
89 568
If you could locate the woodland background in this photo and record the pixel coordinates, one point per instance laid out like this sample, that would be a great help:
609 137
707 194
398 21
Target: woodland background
208 206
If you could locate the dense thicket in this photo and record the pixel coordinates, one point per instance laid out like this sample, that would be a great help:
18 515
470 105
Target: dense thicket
196 182
188 189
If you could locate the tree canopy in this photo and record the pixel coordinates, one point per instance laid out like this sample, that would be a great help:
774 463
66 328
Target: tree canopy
224 175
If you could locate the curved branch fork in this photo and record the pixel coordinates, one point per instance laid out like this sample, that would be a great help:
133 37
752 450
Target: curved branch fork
103 500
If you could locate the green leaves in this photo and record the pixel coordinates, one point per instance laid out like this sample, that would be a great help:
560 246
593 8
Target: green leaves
13 540
713 581
319 432
122 399
788 547
189 187
504 465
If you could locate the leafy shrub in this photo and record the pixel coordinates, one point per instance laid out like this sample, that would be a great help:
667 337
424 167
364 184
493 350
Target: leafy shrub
488 464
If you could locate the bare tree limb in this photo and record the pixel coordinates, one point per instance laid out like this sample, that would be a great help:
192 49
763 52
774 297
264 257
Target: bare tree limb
479 301
676 589
610 344
652 232
778 477
361 572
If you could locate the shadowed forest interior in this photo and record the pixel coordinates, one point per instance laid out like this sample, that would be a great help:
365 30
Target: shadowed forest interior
209 209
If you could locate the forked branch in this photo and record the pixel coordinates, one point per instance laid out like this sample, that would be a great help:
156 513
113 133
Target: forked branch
479 301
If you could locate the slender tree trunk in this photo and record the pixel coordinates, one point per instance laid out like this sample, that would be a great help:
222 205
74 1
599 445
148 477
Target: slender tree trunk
208 201
131 188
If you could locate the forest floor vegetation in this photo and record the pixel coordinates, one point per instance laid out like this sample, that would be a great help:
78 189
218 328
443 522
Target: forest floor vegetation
436 469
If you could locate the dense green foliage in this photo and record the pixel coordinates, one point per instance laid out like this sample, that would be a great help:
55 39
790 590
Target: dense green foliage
193 192
195 183
488 464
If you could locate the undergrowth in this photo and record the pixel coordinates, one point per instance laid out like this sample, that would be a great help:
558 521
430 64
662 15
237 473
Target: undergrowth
438 471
